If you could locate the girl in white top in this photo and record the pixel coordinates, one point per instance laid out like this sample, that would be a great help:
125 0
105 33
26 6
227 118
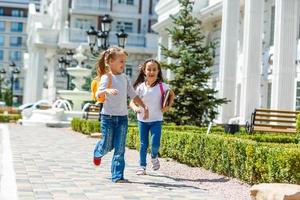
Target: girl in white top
149 87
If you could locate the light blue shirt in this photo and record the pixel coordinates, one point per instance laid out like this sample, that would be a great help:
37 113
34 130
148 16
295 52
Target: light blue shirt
116 105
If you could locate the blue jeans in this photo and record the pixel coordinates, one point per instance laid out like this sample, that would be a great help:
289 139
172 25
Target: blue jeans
144 128
114 130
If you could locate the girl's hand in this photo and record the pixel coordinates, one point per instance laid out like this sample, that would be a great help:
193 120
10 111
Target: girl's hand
165 109
146 113
136 109
112 91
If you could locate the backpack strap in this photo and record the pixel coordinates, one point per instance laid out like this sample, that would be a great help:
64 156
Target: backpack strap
161 92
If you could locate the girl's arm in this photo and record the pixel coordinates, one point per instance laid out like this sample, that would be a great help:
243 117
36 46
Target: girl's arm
140 102
133 106
172 96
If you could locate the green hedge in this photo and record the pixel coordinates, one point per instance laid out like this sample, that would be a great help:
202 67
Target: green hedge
9 117
244 159
85 126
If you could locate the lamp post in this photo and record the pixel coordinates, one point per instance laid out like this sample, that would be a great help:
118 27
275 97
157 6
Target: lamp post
2 76
99 39
64 63
13 77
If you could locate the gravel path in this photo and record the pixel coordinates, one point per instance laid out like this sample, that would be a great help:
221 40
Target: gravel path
231 189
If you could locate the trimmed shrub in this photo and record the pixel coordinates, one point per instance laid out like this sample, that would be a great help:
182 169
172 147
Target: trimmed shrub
10 117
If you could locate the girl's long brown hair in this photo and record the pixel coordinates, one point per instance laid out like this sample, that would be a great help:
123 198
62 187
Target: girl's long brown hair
142 77
102 62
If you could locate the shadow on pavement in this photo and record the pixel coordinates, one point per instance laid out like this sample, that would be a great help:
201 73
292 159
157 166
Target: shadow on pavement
217 180
165 185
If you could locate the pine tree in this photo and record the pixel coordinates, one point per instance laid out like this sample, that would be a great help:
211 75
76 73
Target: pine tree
195 102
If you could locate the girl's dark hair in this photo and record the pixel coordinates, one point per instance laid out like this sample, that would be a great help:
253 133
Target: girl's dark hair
104 57
141 77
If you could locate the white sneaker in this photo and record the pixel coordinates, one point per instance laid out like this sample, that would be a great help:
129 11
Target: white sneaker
155 164
141 171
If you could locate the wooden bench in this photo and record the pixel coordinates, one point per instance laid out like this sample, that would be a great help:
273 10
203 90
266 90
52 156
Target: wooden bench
268 120
92 112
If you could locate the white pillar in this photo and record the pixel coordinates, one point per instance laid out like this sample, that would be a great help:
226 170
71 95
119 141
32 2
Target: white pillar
51 75
285 43
34 77
252 50
228 57
145 16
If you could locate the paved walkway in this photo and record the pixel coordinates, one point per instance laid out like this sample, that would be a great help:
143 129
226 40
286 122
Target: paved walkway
49 163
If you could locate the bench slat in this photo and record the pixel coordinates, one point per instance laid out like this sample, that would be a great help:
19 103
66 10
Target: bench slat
274 120
276 111
268 129
278 115
275 125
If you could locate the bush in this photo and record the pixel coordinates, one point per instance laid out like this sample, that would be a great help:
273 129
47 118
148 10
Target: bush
242 158
85 126
9 117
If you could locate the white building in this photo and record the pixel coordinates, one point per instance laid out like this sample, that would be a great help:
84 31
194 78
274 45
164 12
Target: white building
13 20
257 61
61 25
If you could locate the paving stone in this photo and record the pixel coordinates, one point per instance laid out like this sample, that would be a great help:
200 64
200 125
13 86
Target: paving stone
57 165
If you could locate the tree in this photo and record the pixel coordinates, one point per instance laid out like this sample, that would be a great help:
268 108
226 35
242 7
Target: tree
195 101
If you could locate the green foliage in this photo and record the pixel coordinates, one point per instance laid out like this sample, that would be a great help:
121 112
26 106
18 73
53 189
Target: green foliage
85 126
230 155
298 127
9 117
195 102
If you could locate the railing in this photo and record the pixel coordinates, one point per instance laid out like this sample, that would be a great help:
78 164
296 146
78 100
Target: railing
90 5
134 39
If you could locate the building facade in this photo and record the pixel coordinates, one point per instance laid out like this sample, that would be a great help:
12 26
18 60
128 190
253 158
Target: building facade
61 25
13 22
257 61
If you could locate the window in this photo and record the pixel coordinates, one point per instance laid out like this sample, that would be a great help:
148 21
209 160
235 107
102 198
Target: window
15 55
15 41
2 26
17 84
1 11
1 40
272 26
126 26
17 13
84 23
298 96
128 71
16 27
269 95
128 2
1 54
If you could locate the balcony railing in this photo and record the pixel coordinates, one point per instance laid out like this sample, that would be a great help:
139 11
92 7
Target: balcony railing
134 39
91 5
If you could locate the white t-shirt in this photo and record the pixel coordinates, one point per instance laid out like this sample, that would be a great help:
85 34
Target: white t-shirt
152 98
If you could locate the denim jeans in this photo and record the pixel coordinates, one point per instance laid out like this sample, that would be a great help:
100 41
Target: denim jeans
144 128
114 130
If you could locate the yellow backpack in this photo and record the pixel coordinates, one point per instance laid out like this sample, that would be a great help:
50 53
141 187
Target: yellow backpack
94 87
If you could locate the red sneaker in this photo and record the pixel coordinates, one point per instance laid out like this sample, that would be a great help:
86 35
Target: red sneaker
97 161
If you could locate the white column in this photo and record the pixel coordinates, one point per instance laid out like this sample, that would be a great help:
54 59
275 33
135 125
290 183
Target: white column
285 43
51 75
228 57
145 16
34 77
252 50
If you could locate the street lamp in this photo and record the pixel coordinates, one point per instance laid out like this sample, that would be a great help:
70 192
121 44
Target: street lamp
99 39
2 76
13 77
64 62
